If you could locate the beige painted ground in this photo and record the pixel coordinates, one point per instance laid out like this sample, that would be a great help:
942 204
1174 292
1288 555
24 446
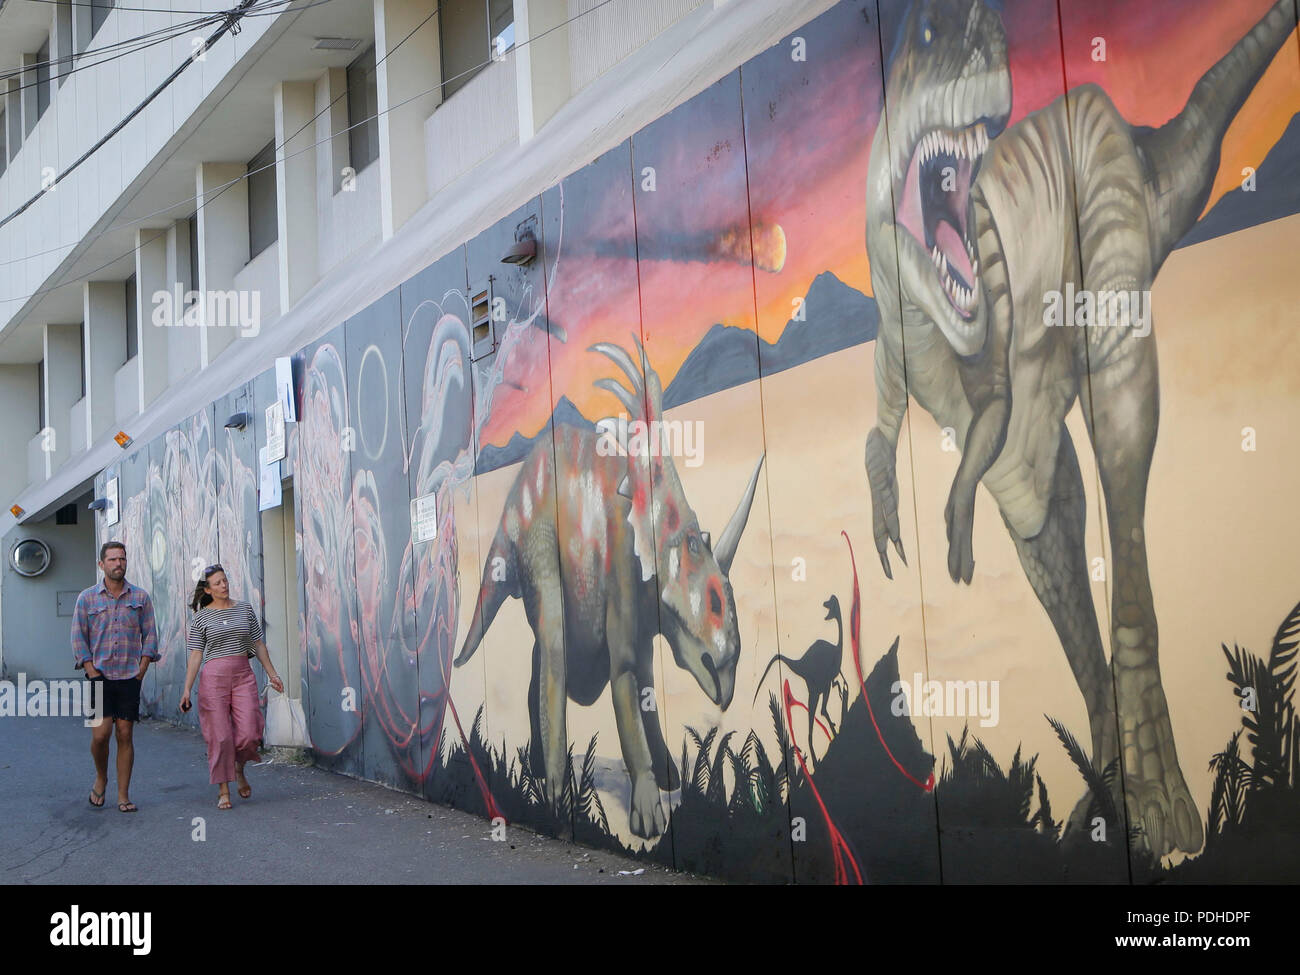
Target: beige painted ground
1223 534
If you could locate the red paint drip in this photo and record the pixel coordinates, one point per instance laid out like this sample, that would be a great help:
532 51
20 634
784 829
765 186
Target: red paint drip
839 846
855 623
493 810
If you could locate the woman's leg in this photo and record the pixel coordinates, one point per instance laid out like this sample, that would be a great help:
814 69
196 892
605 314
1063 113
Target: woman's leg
218 729
246 716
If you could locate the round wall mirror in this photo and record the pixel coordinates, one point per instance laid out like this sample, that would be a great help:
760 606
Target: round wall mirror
30 557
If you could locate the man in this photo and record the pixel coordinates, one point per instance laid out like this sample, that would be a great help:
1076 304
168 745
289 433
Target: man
113 641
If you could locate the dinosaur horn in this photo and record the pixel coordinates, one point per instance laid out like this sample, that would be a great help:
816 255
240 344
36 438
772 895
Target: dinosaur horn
624 362
725 550
624 397
654 391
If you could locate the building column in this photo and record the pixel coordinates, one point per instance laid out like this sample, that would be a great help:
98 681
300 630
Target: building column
153 293
223 247
63 365
18 390
13 115
542 72
295 188
414 68
81 26
183 342
105 323
61 41
331 113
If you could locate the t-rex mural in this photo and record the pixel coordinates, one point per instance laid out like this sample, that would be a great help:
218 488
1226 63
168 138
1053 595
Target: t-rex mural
633 563
971 230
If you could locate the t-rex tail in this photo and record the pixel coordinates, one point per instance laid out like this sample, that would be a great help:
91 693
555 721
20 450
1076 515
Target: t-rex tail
792 664
1183 154
500 580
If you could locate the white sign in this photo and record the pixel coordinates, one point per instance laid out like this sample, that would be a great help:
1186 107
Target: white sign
284 387
275 432
424 518
110 513
268 493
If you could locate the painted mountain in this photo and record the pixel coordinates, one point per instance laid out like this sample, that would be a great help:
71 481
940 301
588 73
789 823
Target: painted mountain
1276 193
835 317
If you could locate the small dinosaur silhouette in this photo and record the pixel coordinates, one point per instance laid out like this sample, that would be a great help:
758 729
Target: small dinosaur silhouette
818 668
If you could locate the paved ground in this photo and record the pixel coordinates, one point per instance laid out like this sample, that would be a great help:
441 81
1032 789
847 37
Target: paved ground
302 825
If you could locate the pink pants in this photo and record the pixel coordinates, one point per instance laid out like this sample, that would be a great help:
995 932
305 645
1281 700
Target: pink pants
229 714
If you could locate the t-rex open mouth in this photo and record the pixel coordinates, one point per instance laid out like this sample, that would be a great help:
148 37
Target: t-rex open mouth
934 205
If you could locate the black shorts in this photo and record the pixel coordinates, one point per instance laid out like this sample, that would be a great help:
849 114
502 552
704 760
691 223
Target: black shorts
121 697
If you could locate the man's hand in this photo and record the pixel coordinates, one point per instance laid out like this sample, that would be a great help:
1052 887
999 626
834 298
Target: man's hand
144 668
90 670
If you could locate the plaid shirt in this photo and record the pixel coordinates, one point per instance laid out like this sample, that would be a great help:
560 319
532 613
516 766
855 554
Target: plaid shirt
113 634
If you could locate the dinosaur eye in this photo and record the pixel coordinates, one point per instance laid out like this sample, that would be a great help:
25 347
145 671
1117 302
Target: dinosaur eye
693 543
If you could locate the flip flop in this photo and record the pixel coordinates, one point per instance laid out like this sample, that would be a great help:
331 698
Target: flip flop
93 796
127 807
223 802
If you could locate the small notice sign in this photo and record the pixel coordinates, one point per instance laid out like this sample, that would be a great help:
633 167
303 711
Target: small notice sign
110 492
268 493
275 432
424 518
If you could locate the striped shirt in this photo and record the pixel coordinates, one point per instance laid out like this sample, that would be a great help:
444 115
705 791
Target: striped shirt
114 633
224 632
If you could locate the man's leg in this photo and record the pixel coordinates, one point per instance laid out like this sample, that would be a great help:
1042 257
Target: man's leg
125 757
99 738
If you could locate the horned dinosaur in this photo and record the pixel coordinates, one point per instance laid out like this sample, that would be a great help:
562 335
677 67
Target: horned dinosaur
633 563
818 668
971 228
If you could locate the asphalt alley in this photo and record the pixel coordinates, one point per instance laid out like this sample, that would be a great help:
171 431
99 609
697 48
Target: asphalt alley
302 825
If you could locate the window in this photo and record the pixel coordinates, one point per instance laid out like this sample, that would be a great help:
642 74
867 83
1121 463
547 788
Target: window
262 218
501 25
40 396
43 79
363 105
132 339
98 14
81 357
193 225
4 150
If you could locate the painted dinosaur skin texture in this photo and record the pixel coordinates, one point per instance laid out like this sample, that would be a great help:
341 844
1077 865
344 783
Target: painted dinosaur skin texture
633 563
1070 197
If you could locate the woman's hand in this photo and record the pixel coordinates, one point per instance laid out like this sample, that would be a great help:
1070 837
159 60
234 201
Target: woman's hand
277 683
185 701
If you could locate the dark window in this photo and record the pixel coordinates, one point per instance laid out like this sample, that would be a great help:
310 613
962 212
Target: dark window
81 357
262 219
4 150
132 339
98 14
363 107
67 515
501 25
40 396
43 78
193 224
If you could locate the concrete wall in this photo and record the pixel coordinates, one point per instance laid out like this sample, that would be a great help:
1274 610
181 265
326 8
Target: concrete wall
37 641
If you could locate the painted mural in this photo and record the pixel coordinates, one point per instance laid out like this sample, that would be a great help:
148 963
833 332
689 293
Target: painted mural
640 541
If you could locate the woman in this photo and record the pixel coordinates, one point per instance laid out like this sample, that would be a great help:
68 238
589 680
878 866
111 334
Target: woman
223 635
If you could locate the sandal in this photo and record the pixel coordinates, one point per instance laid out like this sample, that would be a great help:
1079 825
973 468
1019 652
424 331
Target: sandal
245 792
223 802
127 807
96 795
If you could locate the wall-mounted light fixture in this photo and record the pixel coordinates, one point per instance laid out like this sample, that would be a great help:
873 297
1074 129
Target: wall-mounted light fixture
123 439
524 249
238 421
17 511
99 504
